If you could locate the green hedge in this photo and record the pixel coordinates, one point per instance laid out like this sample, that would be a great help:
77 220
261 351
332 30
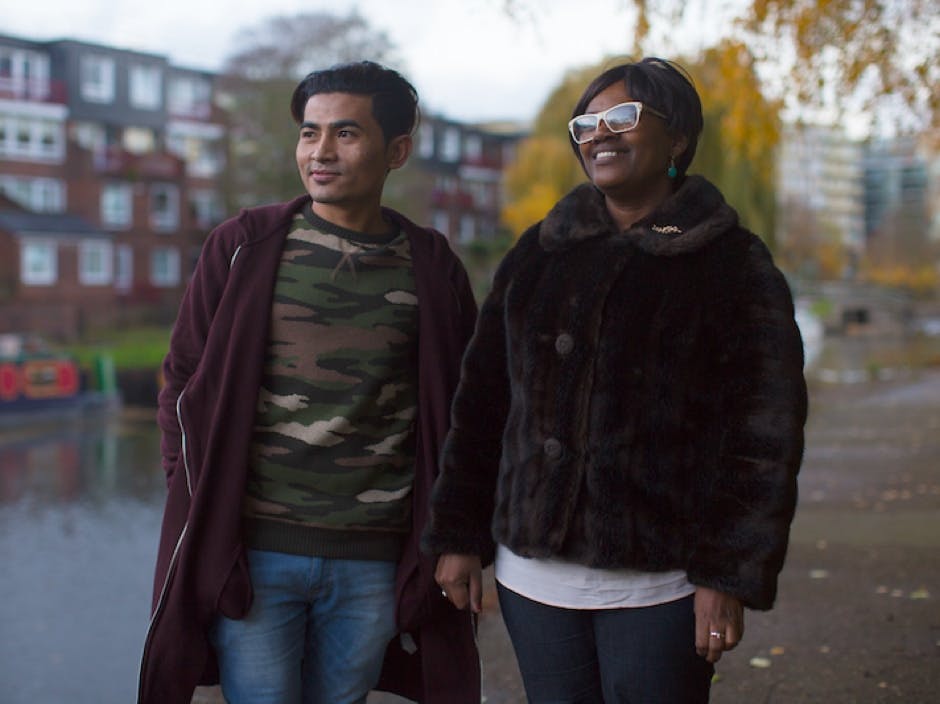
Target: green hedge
137 348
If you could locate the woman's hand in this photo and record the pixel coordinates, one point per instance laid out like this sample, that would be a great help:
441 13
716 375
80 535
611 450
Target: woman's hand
461 580
719 623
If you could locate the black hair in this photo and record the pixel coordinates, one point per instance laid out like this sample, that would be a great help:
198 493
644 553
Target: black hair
663 85
394 99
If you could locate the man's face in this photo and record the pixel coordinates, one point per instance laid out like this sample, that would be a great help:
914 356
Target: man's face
342 155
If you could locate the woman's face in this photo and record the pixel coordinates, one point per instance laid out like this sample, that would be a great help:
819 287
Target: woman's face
628 164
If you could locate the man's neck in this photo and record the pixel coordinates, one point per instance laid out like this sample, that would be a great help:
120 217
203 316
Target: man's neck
367 221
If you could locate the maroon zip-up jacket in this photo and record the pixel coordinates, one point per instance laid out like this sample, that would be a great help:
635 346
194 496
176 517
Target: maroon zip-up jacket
212 374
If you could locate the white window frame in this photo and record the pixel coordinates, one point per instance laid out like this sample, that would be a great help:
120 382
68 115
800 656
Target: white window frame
32 138
47 251
117 205
165 267
146 87
95 263
97 78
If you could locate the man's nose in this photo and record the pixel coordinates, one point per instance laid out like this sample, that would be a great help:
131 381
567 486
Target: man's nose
324 149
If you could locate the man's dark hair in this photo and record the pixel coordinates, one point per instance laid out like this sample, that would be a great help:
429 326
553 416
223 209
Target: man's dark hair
663 85
394 99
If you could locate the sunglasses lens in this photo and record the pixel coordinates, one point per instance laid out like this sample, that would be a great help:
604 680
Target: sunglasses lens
622 117
583 128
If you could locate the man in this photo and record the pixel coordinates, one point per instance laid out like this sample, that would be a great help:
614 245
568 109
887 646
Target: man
307 391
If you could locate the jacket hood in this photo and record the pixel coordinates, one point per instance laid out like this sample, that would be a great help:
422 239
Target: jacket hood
685 222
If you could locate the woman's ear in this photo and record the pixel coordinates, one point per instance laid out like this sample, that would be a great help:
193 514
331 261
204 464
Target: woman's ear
679 144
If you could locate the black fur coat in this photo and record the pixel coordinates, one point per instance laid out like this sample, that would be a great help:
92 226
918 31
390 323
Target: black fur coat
631 399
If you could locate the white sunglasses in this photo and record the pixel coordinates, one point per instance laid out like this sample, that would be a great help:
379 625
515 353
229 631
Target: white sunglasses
620 118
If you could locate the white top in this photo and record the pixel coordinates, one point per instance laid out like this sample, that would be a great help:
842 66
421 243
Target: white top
571 586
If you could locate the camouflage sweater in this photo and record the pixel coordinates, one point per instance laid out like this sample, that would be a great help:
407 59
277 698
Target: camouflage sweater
332 461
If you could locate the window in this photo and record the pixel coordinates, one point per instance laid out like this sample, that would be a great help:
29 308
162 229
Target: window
97 79
165 267
146 87
117 209
38 263
189 95
426 141
468 228
207 208
44 195
164 207
451 147
440 221
89 135
94 263
473 147
124 268
139 140
24 73
34 138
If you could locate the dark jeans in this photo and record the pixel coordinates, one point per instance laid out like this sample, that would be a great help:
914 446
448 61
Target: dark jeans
615 656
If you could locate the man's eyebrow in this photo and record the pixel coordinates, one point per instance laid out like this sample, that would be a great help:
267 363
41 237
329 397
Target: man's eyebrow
339 124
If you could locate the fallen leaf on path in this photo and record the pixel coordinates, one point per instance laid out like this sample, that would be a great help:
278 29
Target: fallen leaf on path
818 574
778 650
921 593
761 663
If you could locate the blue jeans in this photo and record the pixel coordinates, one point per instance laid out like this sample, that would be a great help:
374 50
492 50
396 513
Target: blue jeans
316 632
616 656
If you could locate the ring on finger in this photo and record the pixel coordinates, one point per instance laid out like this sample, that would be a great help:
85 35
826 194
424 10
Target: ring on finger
717 634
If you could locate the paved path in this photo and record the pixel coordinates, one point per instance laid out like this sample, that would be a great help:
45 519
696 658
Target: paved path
857 620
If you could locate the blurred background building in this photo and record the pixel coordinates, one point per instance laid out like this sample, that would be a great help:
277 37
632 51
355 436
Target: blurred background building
113 170
115 164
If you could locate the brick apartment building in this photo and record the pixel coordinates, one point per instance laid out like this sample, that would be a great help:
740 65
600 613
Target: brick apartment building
111 168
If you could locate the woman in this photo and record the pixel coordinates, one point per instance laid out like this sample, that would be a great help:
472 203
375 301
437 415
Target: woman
629 423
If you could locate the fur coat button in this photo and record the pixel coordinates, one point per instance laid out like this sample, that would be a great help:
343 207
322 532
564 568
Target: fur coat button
564 343
552 448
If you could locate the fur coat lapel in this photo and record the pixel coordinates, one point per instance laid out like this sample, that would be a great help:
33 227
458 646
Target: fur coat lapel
695 215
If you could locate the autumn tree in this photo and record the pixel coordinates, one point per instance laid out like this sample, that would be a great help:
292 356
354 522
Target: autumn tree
877 61
258 80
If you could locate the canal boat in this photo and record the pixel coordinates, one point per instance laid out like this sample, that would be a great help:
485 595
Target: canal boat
37 379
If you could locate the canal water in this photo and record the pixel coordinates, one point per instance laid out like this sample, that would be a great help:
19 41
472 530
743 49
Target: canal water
80 509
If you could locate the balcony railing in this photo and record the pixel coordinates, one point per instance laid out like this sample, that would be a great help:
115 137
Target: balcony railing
32 89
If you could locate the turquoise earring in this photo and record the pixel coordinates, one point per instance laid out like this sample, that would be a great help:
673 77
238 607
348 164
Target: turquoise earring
671 172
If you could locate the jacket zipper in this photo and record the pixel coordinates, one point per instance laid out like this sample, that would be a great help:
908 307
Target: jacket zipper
171 567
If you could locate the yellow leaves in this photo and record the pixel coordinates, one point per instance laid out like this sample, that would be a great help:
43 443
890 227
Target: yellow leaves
834 52
544 170
531 207
918 279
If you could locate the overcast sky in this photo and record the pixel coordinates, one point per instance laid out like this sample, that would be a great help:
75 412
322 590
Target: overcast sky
468 58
